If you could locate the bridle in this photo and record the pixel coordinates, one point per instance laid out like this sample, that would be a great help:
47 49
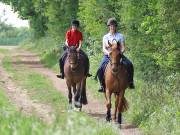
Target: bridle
72 55
117 63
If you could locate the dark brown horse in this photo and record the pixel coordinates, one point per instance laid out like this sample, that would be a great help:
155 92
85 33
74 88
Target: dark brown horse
74 71
115 82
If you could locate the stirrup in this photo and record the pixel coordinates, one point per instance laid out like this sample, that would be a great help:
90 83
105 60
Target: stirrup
60 76
101 90
88 75
131 85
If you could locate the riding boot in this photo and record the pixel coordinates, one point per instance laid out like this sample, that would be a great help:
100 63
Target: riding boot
100 72
88 74
130 76
101 89
95 77
130 70
61 66
101 82
86 63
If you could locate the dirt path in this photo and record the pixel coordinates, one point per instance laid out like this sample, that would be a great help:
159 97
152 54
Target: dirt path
94 108
20 98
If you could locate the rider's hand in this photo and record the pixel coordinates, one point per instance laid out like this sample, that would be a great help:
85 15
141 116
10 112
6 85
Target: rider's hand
78 49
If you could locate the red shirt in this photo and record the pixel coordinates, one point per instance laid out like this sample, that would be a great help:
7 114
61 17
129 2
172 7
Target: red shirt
73 37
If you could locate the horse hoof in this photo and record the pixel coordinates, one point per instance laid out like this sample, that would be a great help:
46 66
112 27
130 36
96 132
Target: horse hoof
80 109
76 109
119 118
108 119
70 107
77 104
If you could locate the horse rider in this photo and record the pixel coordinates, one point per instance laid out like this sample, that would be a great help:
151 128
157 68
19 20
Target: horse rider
110 37
73 38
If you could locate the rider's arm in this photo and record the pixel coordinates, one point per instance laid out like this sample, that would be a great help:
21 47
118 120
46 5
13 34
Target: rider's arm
80 41
122 46
80 44
66 42
106 52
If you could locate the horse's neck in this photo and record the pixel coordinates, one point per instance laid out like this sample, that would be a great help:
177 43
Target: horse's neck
109 69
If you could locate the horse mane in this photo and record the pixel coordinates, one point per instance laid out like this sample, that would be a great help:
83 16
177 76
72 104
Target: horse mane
72 49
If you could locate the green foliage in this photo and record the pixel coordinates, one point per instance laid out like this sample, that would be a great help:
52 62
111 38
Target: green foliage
32 10
60 13
93 15
158 106
151 34
12 36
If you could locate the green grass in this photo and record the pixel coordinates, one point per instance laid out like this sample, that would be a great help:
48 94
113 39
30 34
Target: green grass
14 122
10 41
155 107
3 51
40 88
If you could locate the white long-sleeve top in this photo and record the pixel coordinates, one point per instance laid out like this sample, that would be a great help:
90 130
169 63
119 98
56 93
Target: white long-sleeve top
117 36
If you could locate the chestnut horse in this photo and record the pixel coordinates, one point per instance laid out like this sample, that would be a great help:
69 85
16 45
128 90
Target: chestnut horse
74 71
115 82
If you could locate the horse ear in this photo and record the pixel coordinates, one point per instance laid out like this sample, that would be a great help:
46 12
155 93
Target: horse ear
109 44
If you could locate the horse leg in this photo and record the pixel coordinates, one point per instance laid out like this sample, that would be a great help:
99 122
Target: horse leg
116 106
83 98
74 89
108 105
77 94
120 106
77 97
69 95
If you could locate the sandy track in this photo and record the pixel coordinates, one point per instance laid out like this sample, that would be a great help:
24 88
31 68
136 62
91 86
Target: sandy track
20 98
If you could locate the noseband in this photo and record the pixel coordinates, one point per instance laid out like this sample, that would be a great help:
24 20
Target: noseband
115 63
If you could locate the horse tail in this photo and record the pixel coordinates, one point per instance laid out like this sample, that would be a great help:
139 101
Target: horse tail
125 105
83 92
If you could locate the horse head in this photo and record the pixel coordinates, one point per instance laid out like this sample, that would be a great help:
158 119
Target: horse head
115 56
72 57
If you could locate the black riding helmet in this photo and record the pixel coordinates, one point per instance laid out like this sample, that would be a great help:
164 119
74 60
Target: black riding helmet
75 23
112 21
